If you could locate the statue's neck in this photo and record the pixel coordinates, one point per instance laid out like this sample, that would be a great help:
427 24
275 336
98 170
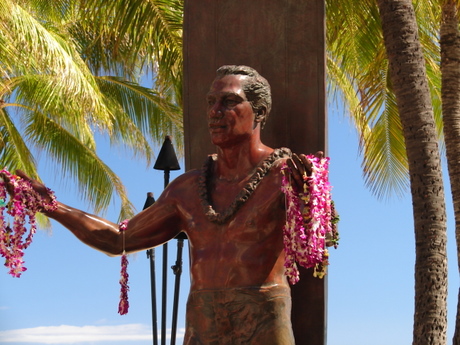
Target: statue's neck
237 162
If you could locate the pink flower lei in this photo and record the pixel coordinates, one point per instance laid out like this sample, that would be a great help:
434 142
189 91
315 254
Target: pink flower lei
310 221
123 306
24 203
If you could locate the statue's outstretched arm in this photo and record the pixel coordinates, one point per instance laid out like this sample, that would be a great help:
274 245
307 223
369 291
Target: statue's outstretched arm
153 226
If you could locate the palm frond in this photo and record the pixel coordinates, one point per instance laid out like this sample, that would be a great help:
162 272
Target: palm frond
150 112
357 66
55 61
14 153
96 180
385 163
135 34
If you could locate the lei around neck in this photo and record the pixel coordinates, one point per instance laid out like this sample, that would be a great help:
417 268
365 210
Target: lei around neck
260 172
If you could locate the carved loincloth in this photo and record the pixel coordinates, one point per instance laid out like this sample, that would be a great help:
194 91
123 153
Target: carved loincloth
255 316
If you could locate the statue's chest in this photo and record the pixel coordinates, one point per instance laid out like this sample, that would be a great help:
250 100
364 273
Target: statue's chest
245 213
228 198
222 195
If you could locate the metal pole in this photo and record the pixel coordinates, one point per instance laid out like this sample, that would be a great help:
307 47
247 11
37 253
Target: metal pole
164 295
177 269
166 161
165 279
151 256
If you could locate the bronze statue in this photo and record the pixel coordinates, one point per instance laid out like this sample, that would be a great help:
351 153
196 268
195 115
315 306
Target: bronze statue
233 213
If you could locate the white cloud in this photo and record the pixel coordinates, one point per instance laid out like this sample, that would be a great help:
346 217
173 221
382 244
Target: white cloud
65 334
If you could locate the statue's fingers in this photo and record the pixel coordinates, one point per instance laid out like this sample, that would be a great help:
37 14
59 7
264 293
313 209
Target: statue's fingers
296 175
37 185
23 175
300 165
8 185
4 177
307 164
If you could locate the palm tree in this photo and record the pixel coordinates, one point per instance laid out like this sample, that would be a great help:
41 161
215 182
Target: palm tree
382 131
81 80
357 70
450 69
358 66
102 46
408 77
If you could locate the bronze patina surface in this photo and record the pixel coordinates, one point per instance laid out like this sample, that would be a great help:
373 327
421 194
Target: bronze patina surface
284 41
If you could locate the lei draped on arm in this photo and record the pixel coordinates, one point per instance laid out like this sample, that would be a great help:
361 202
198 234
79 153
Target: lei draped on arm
310 221
21 208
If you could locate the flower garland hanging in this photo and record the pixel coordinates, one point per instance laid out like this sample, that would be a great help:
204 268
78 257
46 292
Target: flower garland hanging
123 306
310 221
22 207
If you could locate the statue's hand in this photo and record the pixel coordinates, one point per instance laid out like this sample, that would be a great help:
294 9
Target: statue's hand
301 168
8 185
40 188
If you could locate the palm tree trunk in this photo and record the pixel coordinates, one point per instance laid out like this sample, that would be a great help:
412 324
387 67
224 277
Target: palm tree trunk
450 70
408 79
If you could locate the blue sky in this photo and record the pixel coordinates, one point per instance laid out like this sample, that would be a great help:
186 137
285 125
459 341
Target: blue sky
69 294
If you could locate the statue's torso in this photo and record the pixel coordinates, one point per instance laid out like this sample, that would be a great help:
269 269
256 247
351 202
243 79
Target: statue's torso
243 252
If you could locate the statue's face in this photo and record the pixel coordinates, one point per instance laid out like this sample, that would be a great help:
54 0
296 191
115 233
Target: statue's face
230 115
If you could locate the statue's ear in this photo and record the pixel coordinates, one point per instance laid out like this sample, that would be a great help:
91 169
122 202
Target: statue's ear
260 115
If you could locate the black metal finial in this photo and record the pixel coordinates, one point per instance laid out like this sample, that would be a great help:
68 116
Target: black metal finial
149 201
167 159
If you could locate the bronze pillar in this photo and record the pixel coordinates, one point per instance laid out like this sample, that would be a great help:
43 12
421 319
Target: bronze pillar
285 41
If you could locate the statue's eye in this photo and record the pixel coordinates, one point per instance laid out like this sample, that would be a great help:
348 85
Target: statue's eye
230 102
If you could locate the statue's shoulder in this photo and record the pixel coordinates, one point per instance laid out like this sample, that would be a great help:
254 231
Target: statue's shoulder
183 183
273 163
280 155
187 177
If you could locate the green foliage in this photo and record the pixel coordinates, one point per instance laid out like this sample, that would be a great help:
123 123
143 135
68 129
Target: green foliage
78 63
71 69
357 69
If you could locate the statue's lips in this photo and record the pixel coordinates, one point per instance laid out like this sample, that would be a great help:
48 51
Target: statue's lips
216 127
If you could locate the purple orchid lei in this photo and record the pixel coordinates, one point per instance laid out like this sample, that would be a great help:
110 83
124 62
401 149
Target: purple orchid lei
123 306
24 203
310 221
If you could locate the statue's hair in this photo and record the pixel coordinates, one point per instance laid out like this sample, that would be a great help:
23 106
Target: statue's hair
255 87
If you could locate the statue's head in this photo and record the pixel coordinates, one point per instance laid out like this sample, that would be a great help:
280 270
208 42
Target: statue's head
255 87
